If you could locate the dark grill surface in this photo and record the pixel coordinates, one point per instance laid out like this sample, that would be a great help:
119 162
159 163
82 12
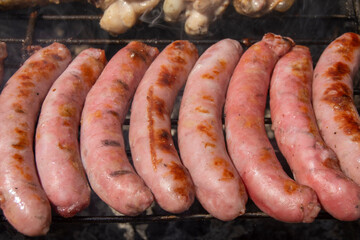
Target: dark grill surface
311 23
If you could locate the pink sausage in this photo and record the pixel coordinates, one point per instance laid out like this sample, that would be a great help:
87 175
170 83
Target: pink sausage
268 185
110 173
57 151
336 113
312 162
155 157
218 185
22 198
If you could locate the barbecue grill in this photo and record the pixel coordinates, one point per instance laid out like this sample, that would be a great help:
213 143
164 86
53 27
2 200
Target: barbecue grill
311 23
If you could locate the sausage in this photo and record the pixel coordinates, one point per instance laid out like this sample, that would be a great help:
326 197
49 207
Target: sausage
109 171
23 201
334 107
3 55
57 152
271 189
154 155
312 162
218 185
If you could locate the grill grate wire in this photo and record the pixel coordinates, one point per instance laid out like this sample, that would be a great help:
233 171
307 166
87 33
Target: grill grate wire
33 16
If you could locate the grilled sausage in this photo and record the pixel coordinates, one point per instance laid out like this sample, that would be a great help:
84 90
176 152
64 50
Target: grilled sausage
57 152
155 157
312 162
334 107
3 55
22 199
218 185
271 189
110 173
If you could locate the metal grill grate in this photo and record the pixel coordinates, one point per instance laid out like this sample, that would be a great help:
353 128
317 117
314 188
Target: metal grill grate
308 22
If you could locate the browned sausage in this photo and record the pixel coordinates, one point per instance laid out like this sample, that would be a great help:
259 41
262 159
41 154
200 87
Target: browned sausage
22 199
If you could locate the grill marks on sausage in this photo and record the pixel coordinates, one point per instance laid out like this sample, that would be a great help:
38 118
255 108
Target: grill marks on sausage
290 186
208 144
208 98
119 173
176 55
67 110
253 122
159 138
345 46
124 85
265 154
53 53
303 95
337 71
312 128
207 128
207 76
120 87
167 77
22 139
201 109
179 175
18 164
223 166
332 163
180 46
110 143
87 71
216 70
41 67
163 141
26 84
159 107
150 110
138 52
18 108
339 96
300 69
72 151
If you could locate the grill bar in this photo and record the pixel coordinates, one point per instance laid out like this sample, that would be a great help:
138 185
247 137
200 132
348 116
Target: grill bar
157 218
244 41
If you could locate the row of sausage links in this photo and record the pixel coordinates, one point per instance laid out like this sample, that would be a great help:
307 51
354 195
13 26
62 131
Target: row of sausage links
102 92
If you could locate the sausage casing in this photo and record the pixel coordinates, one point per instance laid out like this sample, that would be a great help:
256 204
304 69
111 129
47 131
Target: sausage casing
334 107
154 155
218 185
57 152
312 162
271 189
110 173
23 200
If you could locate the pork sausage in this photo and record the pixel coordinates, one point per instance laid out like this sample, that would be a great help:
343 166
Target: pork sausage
334 107
154 155
271 189
218 185
110 173
312 162
22 198
57 152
